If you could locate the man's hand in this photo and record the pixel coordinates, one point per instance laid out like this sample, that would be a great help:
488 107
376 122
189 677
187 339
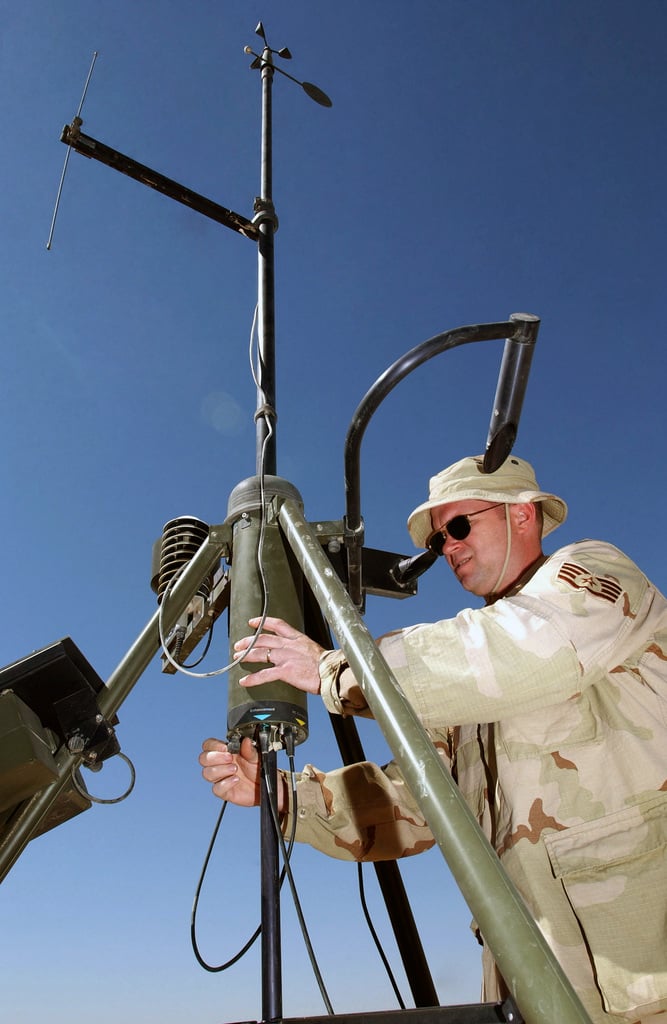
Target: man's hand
290 656
235 777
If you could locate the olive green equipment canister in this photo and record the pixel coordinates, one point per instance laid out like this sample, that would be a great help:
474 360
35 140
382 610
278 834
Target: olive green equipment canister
263 572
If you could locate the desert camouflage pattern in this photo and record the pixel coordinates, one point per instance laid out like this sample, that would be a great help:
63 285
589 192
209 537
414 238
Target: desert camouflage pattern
550 709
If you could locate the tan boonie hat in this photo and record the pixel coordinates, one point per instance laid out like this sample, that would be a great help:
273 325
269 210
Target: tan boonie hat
514 482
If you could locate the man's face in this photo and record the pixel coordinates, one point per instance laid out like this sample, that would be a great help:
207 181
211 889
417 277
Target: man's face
477 560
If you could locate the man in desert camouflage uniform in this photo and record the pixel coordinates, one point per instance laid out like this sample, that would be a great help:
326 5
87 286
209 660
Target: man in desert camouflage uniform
549 705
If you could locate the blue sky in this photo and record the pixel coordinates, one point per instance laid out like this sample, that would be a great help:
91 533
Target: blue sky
479 159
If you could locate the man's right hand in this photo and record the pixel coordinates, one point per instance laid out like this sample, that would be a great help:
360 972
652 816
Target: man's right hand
236 777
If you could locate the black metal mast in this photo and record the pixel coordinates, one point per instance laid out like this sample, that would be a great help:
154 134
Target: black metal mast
265 219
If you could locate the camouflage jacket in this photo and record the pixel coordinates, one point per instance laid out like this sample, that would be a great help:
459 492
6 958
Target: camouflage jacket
550 707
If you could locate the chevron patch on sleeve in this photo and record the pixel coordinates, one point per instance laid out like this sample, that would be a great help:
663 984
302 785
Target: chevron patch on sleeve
579 578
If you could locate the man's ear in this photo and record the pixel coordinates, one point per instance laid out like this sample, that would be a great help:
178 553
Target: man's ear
524 515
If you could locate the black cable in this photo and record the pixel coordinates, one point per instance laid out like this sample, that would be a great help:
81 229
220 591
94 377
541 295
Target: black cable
375 937
199 660
290 878
287 853
193 918
352 752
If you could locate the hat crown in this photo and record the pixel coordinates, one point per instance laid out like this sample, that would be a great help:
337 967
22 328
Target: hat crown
468 474
513 482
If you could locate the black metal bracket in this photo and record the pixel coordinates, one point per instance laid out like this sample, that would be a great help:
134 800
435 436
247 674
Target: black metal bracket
95 150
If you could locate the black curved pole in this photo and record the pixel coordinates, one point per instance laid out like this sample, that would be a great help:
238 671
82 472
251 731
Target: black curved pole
520 327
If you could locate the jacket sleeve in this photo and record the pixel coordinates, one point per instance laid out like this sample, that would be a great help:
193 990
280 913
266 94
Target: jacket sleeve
564 631
361 812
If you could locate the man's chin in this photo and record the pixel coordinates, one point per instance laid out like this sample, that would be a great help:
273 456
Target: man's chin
470 585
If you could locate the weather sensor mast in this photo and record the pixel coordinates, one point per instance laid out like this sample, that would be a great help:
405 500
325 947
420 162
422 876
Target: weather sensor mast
316 577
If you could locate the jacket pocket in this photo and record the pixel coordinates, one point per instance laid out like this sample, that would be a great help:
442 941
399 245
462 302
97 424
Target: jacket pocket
614 871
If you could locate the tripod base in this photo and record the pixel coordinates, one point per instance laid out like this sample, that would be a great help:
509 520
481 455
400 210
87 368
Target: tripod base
467 1013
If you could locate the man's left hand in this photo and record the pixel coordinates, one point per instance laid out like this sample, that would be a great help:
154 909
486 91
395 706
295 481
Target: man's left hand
289 656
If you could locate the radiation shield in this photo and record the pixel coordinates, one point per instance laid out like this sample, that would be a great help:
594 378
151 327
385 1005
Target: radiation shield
264 573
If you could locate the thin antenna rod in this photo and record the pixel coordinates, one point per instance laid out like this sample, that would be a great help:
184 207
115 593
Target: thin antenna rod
85 88
69 150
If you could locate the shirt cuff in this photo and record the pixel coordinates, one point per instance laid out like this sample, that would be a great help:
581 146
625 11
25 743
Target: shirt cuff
332 663
309 798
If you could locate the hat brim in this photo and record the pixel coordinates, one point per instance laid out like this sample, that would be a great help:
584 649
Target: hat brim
554 510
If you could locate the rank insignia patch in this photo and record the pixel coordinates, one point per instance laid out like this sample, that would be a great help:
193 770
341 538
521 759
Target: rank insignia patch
576 576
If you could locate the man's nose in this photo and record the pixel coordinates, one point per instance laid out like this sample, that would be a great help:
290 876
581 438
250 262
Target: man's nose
450 544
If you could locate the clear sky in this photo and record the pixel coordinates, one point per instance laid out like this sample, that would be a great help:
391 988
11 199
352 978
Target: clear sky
479 159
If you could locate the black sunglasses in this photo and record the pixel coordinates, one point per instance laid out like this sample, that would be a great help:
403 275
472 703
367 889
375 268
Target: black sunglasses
458 528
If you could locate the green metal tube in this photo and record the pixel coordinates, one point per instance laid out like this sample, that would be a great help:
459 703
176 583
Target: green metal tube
541 989
122 679
278 582
264 574
120 683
